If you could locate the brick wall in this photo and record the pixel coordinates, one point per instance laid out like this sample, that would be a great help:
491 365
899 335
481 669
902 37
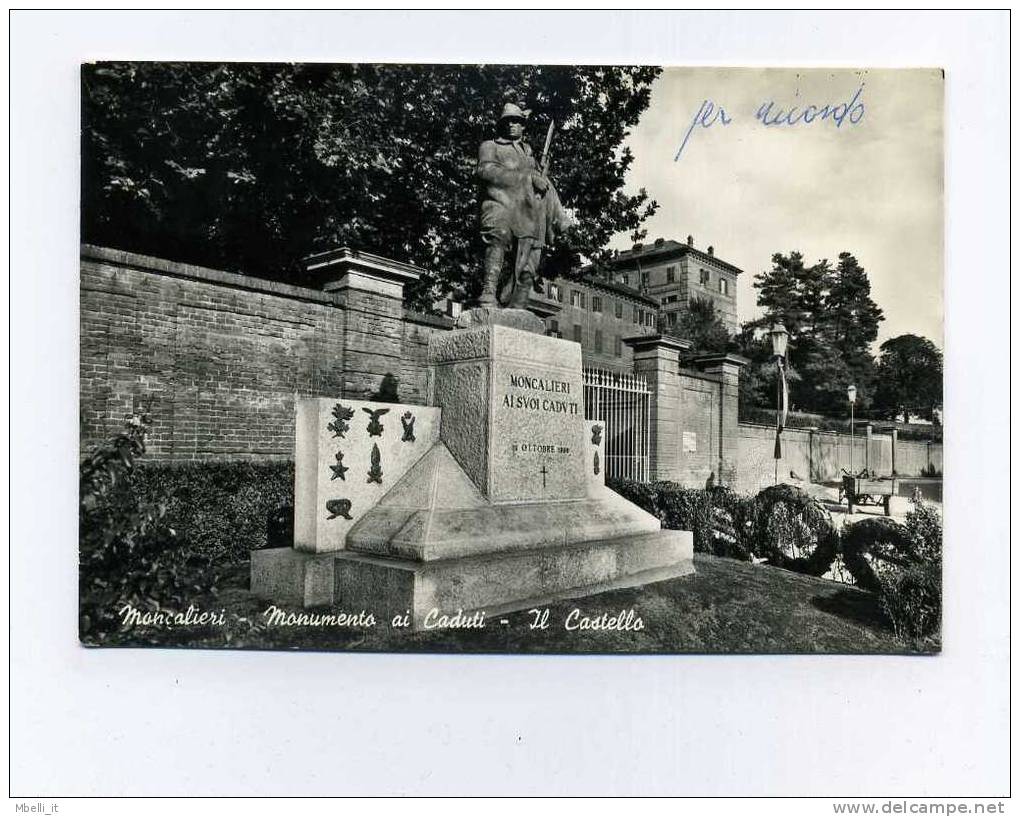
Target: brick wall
218 359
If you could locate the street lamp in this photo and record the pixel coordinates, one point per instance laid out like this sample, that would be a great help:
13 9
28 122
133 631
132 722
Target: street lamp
779 336
851 393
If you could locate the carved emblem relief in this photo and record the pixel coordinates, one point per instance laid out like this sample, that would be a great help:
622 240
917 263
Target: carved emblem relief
407 421
375 473
375 428
341 420
339 507
339 469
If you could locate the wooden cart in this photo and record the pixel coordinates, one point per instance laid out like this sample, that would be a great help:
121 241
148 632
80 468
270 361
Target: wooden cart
864 490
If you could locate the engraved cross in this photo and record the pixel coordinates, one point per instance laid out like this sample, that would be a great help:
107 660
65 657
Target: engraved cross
543 472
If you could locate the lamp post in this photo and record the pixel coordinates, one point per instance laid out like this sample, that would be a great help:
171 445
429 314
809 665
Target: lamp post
779 336
851 393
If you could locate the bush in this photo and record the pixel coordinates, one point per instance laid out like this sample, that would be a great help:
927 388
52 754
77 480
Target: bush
221 510
686 509
793 530
732 523
126 551
873 539
912 592
912 598
717 517
643 494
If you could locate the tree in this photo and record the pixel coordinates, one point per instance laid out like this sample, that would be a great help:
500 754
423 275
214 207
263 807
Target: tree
249 167
832 322
700 324
851 321
909 377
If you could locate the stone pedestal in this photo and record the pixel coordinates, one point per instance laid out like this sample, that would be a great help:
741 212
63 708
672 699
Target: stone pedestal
505 509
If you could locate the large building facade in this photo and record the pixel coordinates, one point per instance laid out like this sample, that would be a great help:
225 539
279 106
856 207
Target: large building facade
676 273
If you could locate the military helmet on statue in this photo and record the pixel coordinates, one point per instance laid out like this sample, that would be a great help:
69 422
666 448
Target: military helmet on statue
511 111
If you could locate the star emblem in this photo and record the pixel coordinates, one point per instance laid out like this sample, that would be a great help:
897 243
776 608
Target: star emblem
339 469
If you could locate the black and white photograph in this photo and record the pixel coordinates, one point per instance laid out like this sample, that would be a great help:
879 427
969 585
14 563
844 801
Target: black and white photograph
509 404
511 358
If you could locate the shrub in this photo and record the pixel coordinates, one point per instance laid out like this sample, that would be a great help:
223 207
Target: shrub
793 530
643 494
221 510
686 509
912 592
873 539
912 598
126 549
732 523
717 517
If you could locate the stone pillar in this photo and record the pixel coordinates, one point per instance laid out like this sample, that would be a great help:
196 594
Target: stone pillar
370 289
727 368
657 358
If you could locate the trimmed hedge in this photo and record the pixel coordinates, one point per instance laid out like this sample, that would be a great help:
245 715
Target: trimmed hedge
218 511
782 524
877 538
718 517
793 530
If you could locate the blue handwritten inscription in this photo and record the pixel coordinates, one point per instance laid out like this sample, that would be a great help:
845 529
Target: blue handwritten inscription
852 111
772 115
708 114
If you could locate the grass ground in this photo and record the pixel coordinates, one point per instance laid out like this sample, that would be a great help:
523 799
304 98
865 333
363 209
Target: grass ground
725 607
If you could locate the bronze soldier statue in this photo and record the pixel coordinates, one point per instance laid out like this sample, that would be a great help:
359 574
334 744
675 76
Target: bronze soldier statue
521 211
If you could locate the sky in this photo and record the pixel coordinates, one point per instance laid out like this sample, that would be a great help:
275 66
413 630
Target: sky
872 186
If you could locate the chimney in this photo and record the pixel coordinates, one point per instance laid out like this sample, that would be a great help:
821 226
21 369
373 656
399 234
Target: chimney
690 241
711 250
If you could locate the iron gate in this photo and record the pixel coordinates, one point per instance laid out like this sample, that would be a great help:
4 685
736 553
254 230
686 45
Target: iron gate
621 402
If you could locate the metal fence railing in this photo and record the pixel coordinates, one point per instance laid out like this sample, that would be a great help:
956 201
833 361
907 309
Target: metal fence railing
622 403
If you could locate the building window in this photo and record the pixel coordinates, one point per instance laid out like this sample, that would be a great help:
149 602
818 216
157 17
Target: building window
705 277
559 294
577 333
641 317
671 318
617 346
671 299
598 340
724 286
596 303
552 291
619 309
554 328
649 319
644 279
637 315
625 280
670 274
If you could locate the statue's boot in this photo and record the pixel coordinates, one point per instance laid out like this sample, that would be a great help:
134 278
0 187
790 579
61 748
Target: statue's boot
493 265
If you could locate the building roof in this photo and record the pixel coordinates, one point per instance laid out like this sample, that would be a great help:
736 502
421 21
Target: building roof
666 248
606 285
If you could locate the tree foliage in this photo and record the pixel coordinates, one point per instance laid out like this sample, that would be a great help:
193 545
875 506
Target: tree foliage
250 167
909 377
832 321
702 326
